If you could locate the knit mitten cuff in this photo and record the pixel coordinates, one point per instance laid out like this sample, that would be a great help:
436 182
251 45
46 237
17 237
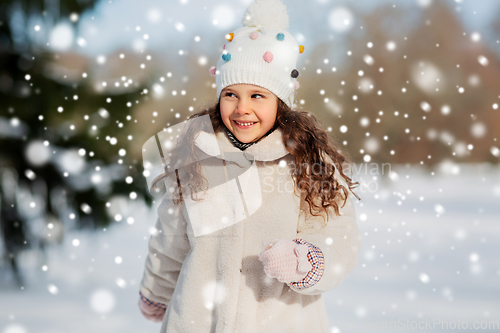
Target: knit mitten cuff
317 260
152 303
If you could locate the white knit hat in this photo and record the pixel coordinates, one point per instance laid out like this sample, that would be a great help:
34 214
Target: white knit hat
262 52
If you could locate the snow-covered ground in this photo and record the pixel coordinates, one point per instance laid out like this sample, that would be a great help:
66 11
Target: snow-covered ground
430 252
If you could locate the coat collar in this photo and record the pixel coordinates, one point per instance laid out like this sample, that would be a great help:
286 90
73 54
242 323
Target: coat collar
268 149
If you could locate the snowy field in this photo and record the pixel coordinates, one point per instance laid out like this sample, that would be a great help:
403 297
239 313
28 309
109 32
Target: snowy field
430 252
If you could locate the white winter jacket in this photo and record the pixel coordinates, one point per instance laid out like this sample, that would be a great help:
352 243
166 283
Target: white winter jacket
212 281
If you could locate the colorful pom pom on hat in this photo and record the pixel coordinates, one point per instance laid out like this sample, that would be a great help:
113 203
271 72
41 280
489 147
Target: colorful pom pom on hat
262 52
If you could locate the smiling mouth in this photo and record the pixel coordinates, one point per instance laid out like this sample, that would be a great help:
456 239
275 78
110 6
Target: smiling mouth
245 124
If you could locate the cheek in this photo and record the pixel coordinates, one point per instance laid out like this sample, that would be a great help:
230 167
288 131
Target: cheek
272 114
224 114
270 117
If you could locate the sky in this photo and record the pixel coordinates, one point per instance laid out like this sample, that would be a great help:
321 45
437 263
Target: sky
167 25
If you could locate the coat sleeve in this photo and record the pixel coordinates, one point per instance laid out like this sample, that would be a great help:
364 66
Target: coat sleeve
168 247
339 242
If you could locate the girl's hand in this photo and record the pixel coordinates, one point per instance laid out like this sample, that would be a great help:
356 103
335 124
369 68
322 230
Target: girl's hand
285 260
151 312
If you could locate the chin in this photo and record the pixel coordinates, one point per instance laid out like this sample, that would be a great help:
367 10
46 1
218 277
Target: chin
245 140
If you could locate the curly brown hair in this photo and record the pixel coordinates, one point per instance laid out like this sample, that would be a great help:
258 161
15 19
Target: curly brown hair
303 137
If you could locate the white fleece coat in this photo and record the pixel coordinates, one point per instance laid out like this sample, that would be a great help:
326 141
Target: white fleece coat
214 282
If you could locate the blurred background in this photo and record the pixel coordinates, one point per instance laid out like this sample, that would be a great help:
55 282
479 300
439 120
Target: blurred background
408 88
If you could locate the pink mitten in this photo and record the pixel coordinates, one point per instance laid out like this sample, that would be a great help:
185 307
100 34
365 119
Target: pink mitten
151 312
285 260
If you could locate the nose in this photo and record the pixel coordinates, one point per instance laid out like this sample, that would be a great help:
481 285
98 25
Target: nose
243 107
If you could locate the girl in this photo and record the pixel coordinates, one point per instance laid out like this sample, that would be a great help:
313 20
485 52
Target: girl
258 220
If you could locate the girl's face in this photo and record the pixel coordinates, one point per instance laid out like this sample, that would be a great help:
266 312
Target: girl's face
248 111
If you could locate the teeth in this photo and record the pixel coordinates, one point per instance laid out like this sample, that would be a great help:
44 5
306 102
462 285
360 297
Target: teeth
243 124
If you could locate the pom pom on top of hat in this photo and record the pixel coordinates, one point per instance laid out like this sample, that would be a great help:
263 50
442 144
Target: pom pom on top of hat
267 15
271 14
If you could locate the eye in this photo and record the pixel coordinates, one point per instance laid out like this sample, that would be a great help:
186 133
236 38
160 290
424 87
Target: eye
258 95
228 94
